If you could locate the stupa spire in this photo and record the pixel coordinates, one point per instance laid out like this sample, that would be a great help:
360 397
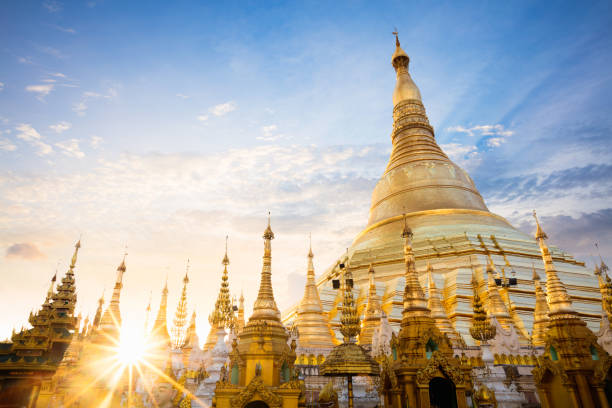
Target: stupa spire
414 296
496 305
180 316
419 175
223 314
313 327
349 318
98 315
540 313
240 322
160 327
438 312
373 311
558 300
265 306
111 319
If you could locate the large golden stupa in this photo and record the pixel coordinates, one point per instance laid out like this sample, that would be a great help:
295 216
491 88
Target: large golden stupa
454 232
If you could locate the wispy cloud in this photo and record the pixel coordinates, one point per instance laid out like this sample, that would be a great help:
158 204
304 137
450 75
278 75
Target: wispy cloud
67 30
24 60
81 107
41 90
95 141
202 118
24 250
270 134
465 155
52 6
182 96
70 148
7 145
223 108
30 135
494 135
61 126
1 86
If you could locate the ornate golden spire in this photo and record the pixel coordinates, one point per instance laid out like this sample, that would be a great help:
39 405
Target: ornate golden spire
148 312
558 300
438 312
373 312
111 319
350 318
180 316
481 328
540 313
313 327
223 314
265 306
496 304
414 297
160 327
419 176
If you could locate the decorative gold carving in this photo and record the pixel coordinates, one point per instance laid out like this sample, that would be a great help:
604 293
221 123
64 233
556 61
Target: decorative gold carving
256 386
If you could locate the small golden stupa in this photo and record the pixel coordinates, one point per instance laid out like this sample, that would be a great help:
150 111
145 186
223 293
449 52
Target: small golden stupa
349 359
261 371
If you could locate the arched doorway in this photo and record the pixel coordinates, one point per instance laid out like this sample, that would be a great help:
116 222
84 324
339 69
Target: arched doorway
256 404
442 393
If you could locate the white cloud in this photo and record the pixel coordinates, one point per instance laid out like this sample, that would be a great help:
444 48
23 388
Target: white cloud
223 108
269 134
30 135
67 30
79 108
1 86
25 60
61 126
95 141
7 145
70 148
52 6
180 95
466 156
203 118
40 90
58 74
482 130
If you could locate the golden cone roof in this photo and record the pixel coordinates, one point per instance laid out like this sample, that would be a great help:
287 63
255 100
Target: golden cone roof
373 312
540 313
265 308
438 312
160 327
559 302
419 175
314 330
414 296
111 319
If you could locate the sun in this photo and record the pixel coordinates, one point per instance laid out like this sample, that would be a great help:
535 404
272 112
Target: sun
132 346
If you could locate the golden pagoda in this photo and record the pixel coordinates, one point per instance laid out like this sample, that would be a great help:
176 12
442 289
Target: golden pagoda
373 313
573 370
540 313
240 322
452 226
159 336
33 355
261 361
313 327
424 368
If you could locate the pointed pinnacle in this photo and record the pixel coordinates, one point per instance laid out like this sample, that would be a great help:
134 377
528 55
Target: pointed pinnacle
407 232
540 234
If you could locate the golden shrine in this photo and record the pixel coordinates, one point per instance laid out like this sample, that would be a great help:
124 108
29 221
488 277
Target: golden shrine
261 372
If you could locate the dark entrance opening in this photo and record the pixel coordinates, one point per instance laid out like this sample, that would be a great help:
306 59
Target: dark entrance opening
442 393
256 404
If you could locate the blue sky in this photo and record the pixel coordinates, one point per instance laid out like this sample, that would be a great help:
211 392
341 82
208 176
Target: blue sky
166 125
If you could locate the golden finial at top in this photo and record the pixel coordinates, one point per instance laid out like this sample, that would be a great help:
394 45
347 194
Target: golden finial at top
540 234
74 256
310 254
186 278
268 234
121 267
395 33
225 260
